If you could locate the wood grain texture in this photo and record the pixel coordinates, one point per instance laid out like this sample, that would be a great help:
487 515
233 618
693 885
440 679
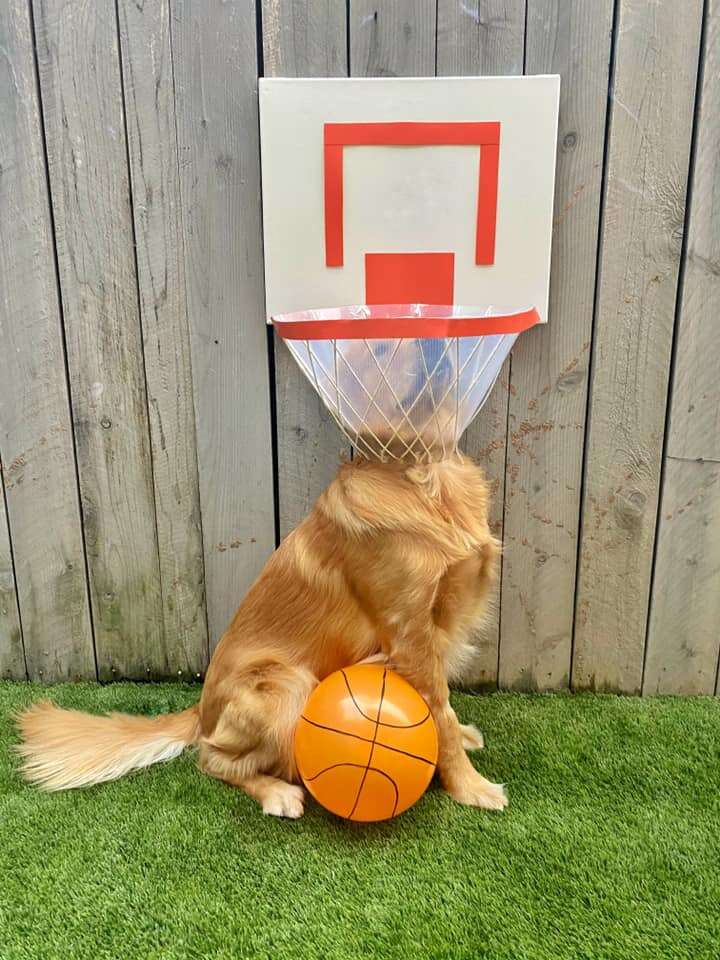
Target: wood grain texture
36 442
684 632
650 131
215 67
12 653
146 62
392 38
303 38
480 38
485 38
84 121
549 376
694 430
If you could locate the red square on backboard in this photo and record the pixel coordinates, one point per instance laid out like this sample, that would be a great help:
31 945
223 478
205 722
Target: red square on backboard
409 278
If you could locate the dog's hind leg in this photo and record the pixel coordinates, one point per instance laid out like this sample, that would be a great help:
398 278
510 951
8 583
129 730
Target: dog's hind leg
277 797
251 746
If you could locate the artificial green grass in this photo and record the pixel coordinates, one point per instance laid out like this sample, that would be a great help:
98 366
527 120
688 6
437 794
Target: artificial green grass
610 849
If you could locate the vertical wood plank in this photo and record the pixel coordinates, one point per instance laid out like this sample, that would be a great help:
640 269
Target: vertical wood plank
303 38
392 38
650 131
215 66
694 431
684 629
36 442
82 104
12 654
146 63
485 38
549 376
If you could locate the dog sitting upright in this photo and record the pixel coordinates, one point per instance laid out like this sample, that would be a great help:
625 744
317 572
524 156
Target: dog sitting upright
394 561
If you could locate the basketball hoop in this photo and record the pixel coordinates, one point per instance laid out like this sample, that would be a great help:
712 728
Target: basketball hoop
411 197
403 381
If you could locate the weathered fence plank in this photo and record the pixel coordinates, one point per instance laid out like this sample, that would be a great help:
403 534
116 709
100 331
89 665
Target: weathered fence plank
303 38
480 38
684 627
485 37
83 109
392 38
36 442
651 123
684 631
12 654
549 375
215 65
146 63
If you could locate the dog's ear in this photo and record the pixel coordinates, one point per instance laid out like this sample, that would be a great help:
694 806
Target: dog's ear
427 477
457 491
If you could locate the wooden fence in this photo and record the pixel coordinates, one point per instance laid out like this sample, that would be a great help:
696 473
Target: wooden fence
155 442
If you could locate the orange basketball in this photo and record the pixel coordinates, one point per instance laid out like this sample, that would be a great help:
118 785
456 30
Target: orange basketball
366 744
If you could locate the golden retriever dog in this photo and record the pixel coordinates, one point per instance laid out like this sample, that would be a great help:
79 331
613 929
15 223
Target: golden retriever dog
393 562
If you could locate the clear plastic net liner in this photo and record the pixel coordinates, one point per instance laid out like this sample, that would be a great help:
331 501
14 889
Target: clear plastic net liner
407 398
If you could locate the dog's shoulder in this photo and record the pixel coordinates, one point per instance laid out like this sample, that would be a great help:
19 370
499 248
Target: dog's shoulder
445 502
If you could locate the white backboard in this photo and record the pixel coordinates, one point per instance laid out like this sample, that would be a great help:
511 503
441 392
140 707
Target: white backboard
396 198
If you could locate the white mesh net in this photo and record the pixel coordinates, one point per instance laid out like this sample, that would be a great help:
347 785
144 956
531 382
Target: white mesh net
403 399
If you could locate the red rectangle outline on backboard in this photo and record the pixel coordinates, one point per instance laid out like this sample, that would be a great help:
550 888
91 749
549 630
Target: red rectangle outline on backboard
412 134
486 136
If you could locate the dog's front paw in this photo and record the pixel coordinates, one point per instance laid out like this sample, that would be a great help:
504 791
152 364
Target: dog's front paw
472 739
476 791
284 800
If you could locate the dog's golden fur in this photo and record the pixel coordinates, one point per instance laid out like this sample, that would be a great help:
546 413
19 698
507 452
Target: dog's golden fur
394 561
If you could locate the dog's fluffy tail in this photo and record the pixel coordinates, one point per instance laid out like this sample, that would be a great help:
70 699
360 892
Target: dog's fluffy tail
66 748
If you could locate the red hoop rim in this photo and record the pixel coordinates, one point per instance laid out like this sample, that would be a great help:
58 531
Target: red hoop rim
399 321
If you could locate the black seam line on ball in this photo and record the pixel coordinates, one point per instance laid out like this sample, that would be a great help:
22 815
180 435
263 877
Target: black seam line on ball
372 745
383 723
334 766
357 736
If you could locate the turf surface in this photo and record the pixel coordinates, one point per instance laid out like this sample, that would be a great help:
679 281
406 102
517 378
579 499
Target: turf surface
610 849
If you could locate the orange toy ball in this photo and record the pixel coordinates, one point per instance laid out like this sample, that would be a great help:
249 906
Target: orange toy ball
366 744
